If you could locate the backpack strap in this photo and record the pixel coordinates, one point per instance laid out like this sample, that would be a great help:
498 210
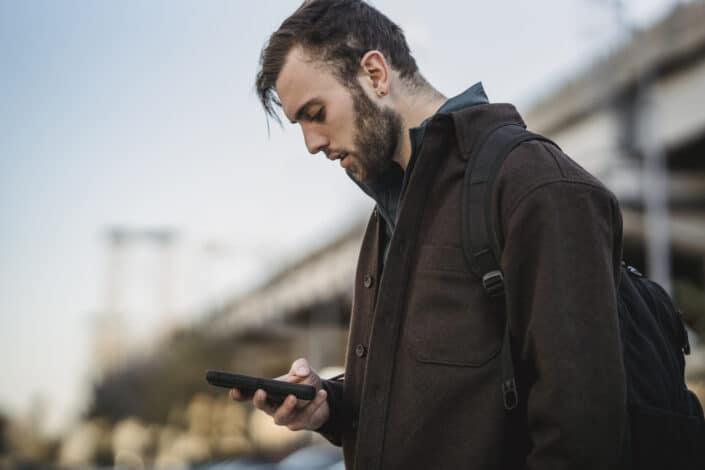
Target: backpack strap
481 245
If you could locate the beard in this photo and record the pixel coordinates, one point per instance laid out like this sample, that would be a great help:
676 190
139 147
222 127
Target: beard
377 137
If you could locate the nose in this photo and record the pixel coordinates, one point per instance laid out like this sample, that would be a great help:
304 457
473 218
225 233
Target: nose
315 140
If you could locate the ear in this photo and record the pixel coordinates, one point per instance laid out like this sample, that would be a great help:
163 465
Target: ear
374 72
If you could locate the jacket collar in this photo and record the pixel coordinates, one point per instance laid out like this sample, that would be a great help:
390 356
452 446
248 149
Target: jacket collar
473 124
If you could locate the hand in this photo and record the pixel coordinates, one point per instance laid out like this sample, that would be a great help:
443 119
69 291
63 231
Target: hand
293 413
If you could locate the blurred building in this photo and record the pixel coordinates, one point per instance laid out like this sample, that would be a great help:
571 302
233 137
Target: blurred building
636 120
113 341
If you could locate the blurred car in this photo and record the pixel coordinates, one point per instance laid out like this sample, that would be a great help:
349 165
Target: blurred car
318 457
312 458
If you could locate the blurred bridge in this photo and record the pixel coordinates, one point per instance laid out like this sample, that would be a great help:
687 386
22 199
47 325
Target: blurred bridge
636 119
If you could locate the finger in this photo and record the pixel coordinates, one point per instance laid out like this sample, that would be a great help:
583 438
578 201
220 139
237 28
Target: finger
238 395
300 368
260 401
304 403
286 412
304 418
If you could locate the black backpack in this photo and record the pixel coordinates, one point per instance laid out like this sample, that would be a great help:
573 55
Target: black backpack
666 426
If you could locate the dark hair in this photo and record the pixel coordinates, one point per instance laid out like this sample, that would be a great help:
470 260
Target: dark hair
337 33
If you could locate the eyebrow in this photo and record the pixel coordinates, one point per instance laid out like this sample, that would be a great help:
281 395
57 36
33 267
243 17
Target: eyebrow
302 110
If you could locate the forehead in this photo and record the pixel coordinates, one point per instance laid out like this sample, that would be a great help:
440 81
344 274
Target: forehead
303 79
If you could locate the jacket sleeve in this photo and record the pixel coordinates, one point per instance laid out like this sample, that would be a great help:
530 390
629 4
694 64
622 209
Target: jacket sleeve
561 258
337 422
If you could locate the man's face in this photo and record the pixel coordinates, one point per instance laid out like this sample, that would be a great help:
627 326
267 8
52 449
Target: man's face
341 121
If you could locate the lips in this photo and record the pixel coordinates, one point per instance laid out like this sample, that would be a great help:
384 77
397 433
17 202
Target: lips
345 160
337 156
344 157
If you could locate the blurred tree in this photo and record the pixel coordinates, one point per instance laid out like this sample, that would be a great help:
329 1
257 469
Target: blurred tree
149 387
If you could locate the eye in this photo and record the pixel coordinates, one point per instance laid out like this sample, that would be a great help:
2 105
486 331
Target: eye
319 116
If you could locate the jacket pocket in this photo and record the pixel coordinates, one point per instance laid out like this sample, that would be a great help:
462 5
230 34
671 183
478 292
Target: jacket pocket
450 320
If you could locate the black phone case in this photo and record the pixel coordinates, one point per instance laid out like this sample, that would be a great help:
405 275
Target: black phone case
248 384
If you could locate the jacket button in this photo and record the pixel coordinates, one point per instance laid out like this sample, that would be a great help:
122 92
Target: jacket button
368 281
360 350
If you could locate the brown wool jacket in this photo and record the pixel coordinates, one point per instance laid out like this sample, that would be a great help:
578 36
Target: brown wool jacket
422 377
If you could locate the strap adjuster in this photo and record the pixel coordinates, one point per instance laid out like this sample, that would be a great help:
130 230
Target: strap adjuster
510 396
493 282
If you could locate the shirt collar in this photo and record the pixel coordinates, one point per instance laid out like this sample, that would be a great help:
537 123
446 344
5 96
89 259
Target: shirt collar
472 96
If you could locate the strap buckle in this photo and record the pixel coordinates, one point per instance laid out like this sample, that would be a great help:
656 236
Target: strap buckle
493 282
509 394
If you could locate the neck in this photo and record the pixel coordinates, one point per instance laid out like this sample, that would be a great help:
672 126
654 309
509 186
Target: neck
414 109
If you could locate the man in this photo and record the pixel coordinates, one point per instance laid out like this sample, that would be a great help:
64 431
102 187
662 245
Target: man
422 377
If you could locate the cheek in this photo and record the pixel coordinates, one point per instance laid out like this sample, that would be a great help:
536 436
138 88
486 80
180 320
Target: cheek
343 125
345 135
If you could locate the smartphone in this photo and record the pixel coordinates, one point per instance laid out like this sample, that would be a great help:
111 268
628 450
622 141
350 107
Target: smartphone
277 390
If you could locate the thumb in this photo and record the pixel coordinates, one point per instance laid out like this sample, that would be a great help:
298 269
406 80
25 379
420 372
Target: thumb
300 368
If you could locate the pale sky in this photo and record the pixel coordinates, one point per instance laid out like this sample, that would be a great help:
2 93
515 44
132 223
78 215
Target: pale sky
143 114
